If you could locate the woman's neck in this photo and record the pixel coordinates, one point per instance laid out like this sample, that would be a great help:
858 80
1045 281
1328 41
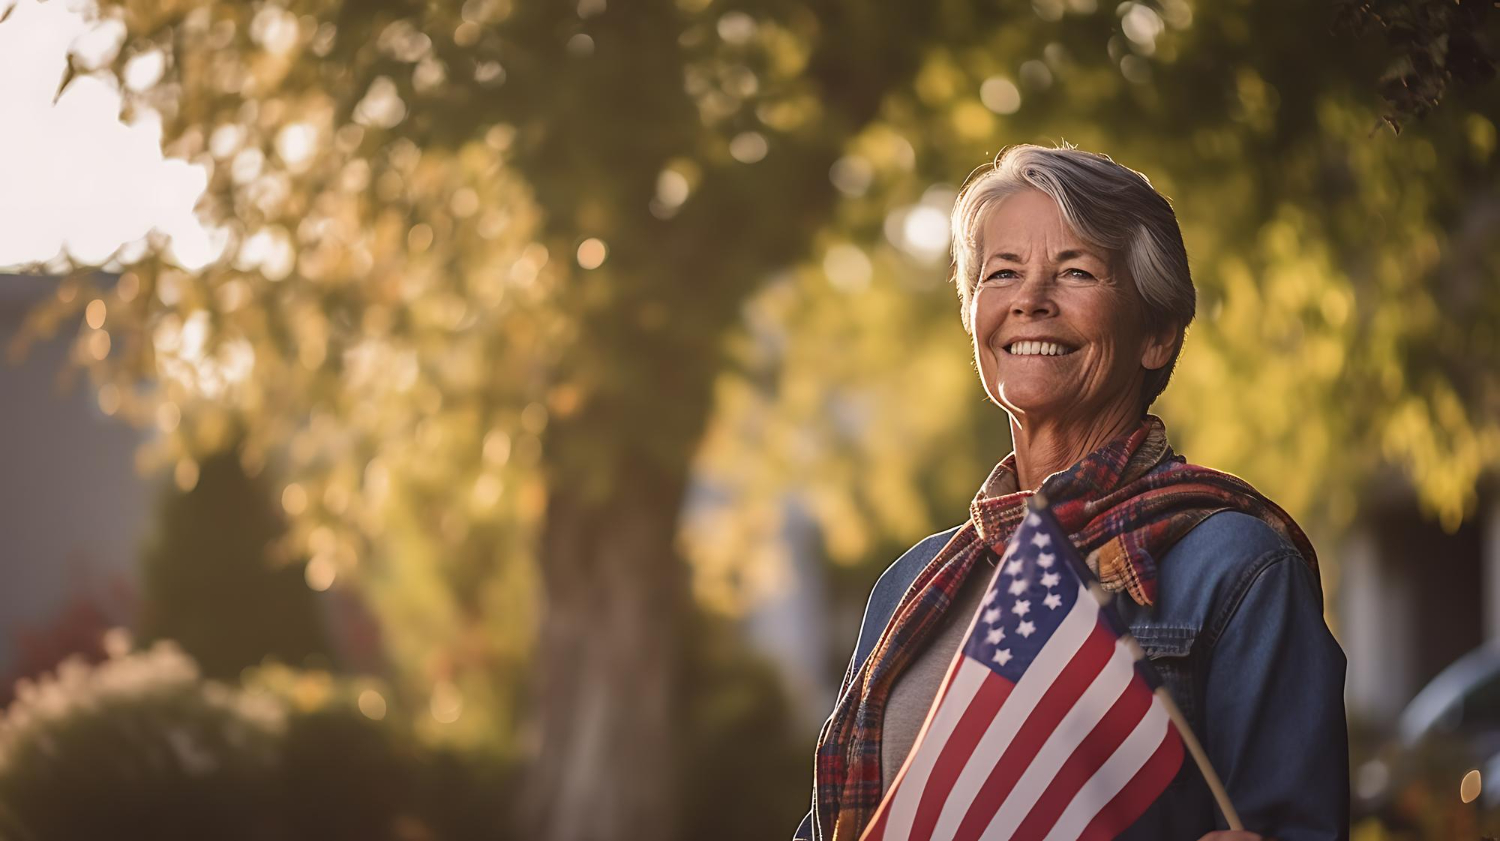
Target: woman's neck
1045 447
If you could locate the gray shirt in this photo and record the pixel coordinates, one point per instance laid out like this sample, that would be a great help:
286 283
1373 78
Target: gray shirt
917 685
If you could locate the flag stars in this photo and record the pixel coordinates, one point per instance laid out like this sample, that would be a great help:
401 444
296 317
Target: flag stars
1041 541
1045 560
1026 629
1002 656
1051 579
1013 567
992 615
989 597
994 636
1019 586
1022 607
1053 601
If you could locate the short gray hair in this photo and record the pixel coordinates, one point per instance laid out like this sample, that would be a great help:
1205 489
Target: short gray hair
1107 205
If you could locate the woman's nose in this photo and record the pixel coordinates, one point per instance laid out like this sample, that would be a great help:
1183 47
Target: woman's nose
1033 298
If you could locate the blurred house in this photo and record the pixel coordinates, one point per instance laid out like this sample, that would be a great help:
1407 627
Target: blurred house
73 512
793 627
1412 598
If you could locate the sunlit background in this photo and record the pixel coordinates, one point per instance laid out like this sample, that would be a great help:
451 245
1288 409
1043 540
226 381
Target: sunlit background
486 419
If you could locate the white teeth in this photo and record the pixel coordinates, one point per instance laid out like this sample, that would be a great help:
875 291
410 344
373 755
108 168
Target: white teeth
1038 349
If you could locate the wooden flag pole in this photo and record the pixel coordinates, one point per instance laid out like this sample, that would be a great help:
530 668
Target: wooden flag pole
1184 729
1186 732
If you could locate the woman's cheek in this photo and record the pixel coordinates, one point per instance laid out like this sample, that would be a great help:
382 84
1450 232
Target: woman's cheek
985 321
983 313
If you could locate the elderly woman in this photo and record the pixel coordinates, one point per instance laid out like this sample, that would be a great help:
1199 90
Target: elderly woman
1075 287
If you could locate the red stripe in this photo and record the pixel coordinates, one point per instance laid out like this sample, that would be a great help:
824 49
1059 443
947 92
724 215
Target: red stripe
1075 677
1101 742
882 814
1142 790
956 751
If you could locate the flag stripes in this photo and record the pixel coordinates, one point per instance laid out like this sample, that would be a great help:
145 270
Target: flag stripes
1081 765
981 711
1106 676
1043 729
1125 778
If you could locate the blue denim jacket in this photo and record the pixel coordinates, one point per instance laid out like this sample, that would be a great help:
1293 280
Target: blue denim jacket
1237 633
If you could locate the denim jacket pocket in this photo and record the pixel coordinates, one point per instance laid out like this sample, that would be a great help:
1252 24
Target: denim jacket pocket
1170 651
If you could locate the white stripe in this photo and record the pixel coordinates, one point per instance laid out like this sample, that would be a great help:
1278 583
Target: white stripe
1049 662
912 778
1092 705
1112 776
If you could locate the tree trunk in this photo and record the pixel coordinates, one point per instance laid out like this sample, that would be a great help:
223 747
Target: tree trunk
610 637
607 662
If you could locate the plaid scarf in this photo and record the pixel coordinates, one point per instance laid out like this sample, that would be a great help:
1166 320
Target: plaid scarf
1124 505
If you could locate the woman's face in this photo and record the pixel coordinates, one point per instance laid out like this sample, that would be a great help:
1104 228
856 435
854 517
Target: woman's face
1058 335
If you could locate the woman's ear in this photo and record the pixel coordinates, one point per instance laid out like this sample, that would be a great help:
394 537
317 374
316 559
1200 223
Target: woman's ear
1159 348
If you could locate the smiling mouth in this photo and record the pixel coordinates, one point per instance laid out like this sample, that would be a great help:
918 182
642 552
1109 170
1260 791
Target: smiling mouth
1038 349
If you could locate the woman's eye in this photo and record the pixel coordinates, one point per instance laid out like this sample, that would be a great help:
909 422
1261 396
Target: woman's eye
1077 274
1002 274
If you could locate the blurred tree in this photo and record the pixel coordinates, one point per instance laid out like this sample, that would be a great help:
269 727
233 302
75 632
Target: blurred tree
392 310
483 278
1432 43
212 583
740 752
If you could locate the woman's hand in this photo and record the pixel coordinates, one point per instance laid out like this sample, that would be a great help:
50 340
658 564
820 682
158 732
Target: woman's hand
1233 835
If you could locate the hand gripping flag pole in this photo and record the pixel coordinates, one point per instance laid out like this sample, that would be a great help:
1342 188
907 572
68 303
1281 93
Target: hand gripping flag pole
1050 724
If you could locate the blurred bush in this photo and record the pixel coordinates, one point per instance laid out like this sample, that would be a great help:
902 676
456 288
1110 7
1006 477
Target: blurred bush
138 746
142 746
158 751
747 771
353 767
1424 799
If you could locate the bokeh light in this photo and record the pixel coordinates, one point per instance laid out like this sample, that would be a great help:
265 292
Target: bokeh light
1469 788
372 704
591 253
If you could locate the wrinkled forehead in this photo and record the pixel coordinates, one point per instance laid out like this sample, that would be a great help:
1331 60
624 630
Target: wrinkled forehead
1028 225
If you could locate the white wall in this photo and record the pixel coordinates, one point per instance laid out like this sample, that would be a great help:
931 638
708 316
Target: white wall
1491 579
72 511
792 627
1377 631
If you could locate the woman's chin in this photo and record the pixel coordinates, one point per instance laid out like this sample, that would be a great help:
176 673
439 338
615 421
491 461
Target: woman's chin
1026 404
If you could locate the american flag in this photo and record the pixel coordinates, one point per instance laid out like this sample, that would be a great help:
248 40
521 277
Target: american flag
1047 726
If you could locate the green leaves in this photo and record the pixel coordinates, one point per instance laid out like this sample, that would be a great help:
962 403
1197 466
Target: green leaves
1431 44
